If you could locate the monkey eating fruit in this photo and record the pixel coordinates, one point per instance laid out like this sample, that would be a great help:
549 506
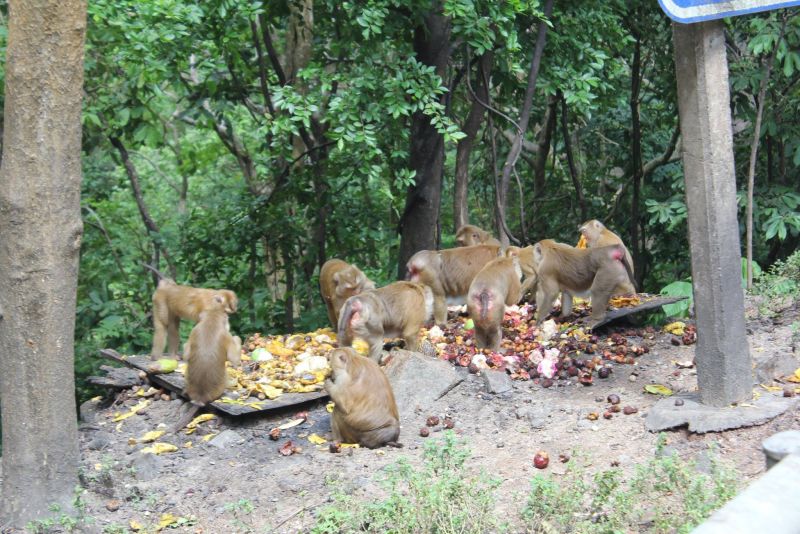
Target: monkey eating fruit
494 287
597 235
469 235
365 410
399 309
527 266
338 281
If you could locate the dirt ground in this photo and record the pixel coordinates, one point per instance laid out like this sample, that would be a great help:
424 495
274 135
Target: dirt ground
247 486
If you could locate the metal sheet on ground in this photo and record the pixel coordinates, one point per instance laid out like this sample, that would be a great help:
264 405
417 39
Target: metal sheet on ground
175 382
649 302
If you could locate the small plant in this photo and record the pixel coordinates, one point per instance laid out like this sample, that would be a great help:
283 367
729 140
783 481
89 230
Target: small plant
240 509
441 496
780 285
114 528
61 521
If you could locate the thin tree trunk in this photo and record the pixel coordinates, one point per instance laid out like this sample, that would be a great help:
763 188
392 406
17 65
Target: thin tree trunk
288 266
751 170
543 146
573 172
524 117
149 223
419 225
40 218
636 159
464 148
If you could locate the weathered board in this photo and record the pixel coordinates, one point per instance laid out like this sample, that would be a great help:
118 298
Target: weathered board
175 382
655 301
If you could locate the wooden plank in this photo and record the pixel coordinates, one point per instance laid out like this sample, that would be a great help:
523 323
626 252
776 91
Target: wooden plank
656 301
175 382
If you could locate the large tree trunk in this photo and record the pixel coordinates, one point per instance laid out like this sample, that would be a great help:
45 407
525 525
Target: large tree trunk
40 218
636 162
464 148
419 225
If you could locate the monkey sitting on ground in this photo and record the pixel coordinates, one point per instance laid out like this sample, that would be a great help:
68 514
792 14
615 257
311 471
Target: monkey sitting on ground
597 235
494 287
173 302
469 235
210 345
399 309
602 271
528 268
449 273
338 281
365 410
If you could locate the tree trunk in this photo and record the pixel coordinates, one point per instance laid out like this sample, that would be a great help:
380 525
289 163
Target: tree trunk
573 171
524 117
40 218
464 149
543 146
636 160
419 225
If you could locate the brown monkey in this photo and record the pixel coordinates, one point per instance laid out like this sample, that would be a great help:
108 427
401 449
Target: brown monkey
338 281
597 235
527 266
494 287
365 410
173 302
209 345
603 271
399 309
469 235
449 273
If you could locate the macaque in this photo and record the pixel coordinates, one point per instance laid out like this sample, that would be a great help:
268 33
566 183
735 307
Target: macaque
597 235
365 411
469 235
602 271
527 266
494 287
449 273
399 309
173 302
338 281
210 345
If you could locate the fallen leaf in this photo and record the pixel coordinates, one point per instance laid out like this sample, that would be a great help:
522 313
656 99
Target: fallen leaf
658 389
287 449
686 364
135 525
317 440
166 520
159 448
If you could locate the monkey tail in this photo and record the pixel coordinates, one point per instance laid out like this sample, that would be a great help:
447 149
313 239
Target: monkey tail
395 444
161 276
624 260
484 300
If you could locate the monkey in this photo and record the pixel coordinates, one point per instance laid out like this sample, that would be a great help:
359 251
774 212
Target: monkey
449 273
597 235
365 410
398 309
527 266
339 281
173 302
210 344
469 235
494 287
603 271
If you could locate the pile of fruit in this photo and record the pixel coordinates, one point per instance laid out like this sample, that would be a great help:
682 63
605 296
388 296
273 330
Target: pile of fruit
548 352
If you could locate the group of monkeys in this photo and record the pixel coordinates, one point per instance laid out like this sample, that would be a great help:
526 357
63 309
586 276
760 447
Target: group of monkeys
479 270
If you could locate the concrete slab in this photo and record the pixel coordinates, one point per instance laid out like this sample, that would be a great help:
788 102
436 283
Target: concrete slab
418 380
702 418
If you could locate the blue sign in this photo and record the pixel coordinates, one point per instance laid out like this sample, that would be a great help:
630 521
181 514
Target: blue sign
698 10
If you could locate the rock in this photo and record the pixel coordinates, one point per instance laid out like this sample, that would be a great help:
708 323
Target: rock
780 445
293 484
774 362
226 439
536 417
418 381
100 440
496 381
147 466
89 410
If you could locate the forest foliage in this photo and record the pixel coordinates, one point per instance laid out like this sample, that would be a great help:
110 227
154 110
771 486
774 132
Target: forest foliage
241 143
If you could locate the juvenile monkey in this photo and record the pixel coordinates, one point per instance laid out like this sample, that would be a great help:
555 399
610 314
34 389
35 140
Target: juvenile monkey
494 287
527 266
399 309
602 271
365 410
210 345
597 235
469 235
338 281
173 302
449 273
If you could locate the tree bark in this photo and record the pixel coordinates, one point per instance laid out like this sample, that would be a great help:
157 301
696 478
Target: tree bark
573 171
543 141
464 148
636 159
524 117
419 225
40 218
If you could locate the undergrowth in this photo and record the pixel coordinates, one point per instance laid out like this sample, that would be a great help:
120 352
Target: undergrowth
780 285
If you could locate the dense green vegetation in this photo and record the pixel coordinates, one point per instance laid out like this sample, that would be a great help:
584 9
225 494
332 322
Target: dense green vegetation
241 143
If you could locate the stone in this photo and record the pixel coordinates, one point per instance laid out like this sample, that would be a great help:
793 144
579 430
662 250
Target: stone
88 410
702 418
418 380
724 370
147 466
100 440
225 439
780 445
496 381
536 417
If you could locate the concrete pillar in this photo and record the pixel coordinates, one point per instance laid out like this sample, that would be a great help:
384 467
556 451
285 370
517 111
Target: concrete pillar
724 369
